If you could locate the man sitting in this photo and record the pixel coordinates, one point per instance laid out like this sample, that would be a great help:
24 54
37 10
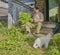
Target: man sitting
38 19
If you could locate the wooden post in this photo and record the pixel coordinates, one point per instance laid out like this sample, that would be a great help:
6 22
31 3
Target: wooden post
9 14
59 10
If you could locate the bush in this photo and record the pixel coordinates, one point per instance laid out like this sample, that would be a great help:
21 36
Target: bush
24 17
16 43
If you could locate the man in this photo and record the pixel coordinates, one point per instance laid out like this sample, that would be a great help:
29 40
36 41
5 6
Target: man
38 19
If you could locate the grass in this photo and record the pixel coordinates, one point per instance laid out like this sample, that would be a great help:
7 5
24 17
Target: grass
17 43
18 46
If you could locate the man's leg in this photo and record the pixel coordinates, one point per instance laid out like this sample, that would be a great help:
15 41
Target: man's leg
28 27
39 27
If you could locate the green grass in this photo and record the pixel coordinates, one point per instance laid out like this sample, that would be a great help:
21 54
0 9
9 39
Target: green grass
18 43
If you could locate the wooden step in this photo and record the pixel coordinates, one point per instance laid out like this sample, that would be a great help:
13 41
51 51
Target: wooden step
45 30
49 25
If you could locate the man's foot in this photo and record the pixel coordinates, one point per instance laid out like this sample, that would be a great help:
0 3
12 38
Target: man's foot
36 34
29 34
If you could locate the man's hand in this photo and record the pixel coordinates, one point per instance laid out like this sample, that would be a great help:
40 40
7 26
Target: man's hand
38 20
35 20
41 20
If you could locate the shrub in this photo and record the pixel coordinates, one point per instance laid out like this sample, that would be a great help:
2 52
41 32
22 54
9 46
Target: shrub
24 17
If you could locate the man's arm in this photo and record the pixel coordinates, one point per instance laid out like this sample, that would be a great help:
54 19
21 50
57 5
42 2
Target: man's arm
41 18
38 20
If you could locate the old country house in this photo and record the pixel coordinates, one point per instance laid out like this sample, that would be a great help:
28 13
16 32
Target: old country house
50 9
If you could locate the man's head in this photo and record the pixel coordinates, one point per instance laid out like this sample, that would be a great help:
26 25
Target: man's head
36 9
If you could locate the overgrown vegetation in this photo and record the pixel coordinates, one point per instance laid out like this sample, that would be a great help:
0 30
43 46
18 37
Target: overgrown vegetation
24 17
14 42
18 43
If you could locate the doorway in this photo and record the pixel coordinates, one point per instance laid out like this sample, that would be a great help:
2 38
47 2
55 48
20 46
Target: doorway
51 10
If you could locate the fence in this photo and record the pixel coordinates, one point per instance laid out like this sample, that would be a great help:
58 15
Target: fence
14 8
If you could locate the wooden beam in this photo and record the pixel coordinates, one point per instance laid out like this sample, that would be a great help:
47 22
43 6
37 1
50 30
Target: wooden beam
58 10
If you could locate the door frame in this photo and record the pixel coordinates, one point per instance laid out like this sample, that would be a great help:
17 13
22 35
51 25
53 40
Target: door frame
47 10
